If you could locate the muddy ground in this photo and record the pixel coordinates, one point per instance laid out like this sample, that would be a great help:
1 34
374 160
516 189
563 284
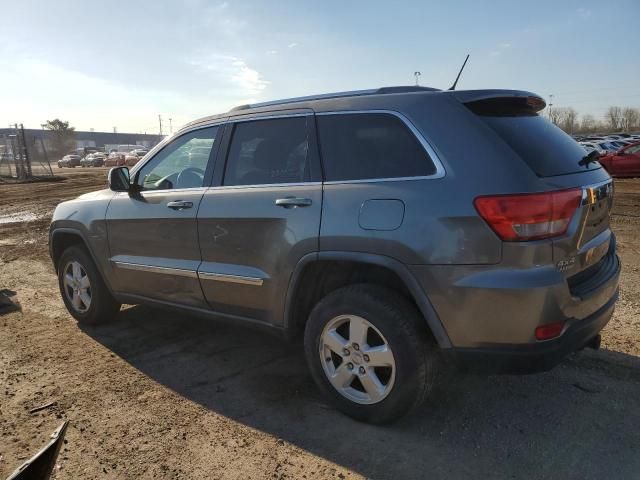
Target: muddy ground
160 395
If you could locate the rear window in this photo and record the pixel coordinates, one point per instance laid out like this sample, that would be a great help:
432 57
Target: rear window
544 147
362 146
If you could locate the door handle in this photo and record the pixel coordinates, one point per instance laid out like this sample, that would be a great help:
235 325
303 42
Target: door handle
179 205
292 202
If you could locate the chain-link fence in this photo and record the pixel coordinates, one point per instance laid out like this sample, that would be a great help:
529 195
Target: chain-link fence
23 157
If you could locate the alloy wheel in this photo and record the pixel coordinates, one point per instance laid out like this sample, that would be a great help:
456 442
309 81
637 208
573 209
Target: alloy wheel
357 359
77 286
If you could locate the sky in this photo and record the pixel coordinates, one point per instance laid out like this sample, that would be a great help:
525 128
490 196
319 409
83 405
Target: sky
101 65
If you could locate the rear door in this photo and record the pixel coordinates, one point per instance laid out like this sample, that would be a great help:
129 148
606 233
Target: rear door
153 233
261 216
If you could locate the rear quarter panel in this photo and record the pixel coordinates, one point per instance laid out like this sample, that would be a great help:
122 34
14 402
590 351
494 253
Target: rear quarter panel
440 225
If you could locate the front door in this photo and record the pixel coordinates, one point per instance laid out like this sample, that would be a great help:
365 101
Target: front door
261 218
153 233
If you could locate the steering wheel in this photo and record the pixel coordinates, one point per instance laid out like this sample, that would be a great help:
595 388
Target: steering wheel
190 177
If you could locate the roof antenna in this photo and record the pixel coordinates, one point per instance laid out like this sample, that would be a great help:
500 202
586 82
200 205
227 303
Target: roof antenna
453 87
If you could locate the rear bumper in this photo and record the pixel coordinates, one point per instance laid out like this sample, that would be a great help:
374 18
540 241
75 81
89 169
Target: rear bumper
540 356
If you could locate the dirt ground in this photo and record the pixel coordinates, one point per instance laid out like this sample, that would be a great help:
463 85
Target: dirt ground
160 395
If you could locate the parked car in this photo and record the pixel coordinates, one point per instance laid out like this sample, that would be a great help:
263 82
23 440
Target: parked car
359 223
591 146
620 144
115 159
69 161
623 163
134 157
93 160
608 147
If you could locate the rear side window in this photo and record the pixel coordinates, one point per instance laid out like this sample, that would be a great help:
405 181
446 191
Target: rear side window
269 151
544 147
362 146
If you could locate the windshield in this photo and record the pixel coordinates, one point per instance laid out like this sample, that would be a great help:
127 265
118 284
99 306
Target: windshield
543 146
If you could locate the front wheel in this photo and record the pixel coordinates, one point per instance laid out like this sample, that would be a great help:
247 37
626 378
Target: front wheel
369 353
83 291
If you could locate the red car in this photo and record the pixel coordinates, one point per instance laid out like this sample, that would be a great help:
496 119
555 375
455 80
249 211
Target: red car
623 163
115 159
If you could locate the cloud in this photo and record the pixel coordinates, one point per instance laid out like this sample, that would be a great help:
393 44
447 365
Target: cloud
499 49
292 45
272 52
51 96
230 75
248 78
584 12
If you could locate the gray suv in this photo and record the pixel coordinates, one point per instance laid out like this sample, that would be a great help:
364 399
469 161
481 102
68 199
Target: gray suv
395 230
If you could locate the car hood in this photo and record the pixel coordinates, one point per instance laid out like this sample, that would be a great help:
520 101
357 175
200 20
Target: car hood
105 193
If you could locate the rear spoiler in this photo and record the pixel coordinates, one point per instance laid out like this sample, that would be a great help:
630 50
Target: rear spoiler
501 102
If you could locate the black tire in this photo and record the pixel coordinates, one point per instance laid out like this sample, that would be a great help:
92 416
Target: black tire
103 307
414 350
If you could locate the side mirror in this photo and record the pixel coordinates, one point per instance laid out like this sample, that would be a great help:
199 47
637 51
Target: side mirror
119 179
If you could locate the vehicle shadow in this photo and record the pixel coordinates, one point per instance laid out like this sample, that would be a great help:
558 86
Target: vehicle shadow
578 421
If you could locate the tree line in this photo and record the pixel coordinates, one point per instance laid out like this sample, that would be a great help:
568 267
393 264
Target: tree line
617 119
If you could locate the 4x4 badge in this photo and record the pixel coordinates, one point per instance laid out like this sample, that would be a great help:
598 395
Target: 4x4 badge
564 265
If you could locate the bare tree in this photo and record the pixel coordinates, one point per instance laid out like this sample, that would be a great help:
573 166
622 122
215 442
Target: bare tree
63 139
614 117
588 124
555 115
568 117
630 118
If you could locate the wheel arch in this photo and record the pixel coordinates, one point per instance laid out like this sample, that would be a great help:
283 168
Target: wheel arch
343 268
60 239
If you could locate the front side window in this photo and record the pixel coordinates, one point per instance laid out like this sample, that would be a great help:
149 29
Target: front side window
180 164
269 151
362 146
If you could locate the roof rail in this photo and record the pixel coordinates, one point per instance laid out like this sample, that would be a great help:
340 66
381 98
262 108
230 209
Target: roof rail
353 93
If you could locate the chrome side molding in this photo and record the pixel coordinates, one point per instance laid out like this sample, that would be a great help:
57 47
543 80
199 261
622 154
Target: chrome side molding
223 277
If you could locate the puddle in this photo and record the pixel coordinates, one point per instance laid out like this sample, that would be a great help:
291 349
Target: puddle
18 217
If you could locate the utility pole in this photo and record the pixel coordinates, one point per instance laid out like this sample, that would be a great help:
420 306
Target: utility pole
160 120
550 104
27 160
417 74
170 127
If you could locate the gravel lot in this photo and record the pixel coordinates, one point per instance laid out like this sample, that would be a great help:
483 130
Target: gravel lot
160 395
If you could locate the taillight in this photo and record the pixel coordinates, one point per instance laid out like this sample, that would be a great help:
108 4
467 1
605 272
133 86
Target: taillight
529 216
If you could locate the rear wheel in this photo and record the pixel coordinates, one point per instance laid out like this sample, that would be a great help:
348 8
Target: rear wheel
368 353
83 291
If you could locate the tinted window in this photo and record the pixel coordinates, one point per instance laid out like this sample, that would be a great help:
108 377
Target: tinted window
180 164
268 151
370 145
544 147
